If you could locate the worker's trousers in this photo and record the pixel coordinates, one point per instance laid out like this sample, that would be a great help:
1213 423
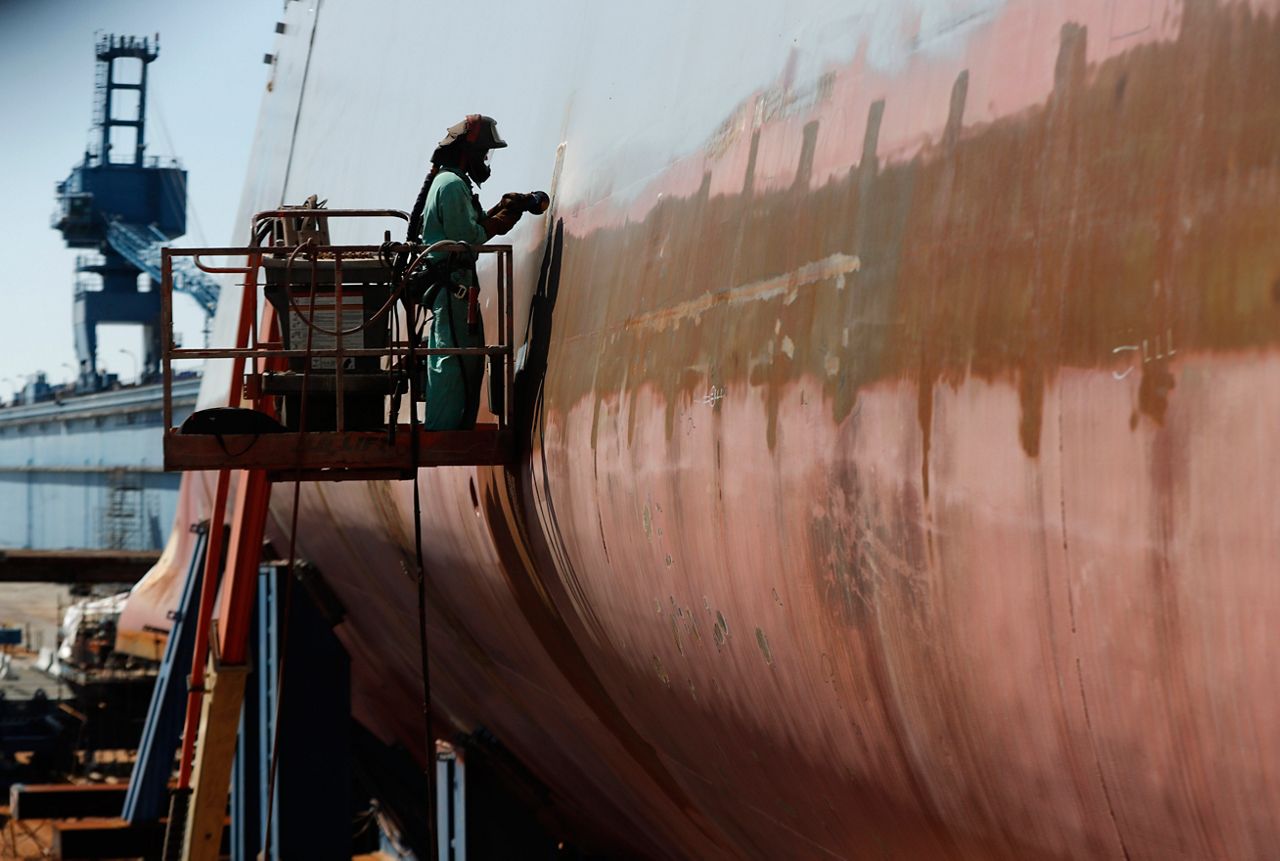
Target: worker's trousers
452 382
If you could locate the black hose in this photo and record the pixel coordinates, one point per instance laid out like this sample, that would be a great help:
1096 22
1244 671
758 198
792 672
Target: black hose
424 655
283 639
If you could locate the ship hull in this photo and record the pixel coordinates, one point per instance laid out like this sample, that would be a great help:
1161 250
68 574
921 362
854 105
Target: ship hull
893 472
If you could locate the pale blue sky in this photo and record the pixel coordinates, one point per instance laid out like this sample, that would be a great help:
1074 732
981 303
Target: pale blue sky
204 95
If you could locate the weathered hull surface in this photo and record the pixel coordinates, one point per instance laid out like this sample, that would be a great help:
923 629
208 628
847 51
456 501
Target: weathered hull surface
896 474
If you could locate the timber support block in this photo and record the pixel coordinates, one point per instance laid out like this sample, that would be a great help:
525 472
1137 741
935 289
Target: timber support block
215 752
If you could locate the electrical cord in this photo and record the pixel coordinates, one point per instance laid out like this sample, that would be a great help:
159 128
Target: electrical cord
414 336
283 640
423 652
403 280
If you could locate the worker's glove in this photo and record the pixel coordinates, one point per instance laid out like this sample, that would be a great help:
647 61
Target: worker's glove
499 220
511 200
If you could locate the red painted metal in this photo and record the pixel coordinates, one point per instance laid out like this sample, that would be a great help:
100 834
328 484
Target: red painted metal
213 555
348 452
253 494
200 654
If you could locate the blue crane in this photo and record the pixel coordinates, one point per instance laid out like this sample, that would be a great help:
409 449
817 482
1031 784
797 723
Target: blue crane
125 205
141 246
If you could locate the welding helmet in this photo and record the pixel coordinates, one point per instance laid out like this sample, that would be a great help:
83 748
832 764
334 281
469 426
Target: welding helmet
477 134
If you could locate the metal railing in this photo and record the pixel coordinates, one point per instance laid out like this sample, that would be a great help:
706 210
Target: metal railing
266 352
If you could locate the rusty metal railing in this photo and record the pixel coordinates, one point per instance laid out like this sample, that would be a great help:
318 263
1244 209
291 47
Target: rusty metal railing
250 345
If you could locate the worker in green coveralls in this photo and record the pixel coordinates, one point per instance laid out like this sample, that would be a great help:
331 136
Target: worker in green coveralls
448 208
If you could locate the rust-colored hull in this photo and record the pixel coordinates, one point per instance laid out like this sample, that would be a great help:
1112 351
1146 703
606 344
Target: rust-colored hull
899 481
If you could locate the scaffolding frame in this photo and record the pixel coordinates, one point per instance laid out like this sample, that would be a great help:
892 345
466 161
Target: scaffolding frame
339 454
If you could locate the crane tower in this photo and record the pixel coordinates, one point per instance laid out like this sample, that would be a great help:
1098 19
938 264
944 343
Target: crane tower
123 205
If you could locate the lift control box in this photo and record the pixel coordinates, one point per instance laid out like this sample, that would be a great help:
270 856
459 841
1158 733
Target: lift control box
315 316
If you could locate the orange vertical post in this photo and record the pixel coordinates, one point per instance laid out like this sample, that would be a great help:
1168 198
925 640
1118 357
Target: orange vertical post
217 519
208 590
219 717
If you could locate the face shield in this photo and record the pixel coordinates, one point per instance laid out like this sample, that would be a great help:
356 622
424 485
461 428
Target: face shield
478 167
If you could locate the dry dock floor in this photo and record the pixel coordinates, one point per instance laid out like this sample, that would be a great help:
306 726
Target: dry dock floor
36 608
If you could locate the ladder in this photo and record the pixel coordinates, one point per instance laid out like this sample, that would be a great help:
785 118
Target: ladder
272 375
123 514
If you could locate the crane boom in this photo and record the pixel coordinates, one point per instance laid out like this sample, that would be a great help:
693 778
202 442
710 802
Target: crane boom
141 246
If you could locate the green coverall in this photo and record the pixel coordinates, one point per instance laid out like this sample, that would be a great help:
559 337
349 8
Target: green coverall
453 382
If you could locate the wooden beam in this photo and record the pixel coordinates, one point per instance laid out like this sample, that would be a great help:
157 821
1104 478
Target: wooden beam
106 838
110 838
215 750
308 453
75 566
66 801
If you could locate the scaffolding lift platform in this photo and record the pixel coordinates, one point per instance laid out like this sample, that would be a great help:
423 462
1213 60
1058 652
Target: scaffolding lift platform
325 383
325 354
